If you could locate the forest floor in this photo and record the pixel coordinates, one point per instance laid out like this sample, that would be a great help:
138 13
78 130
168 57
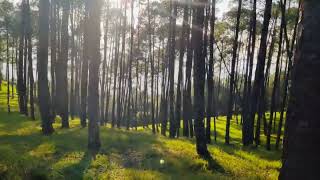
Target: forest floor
26 154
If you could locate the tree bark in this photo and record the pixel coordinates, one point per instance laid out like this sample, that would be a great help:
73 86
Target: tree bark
172 39
62 69
232 76
259 74
94 8
210 78
301 153
187 102
84 72
44 94
53 53
7 66
30 64
248 126
199 79
183 41
20 82
104 66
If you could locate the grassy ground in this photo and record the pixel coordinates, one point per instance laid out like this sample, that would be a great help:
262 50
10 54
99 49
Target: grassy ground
26 154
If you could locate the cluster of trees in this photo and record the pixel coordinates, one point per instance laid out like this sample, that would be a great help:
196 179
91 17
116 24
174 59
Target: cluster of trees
158 63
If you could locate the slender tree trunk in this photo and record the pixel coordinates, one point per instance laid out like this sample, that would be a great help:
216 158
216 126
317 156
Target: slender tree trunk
232 77
288 74
44 94
121 65
84 72
72 59
259 74
104 64
157 87
20 81
115 72
53 54
62 69
164 99
199 79
30 69
183 42
248 126
7 68
25 67
261 100
187 104
172 38
94 8
130 99
275 86
210 78
151 59
13 59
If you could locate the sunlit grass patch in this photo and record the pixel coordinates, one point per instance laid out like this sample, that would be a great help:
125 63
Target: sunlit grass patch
44 151
26 153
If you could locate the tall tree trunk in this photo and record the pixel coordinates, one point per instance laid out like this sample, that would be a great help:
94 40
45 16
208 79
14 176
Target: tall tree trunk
210 78
262 98
288 73
121 67
104 66
232 77
205 54
44 94
25 65
13 59
7 66
259 74
172 39
157 87
72 59
94 8
115 72
84 71
30 69
151 59
266 83
187 102
248 126
62 69
130 97
20 81
275 85
301 153
183 43
53 54
199 79
164 99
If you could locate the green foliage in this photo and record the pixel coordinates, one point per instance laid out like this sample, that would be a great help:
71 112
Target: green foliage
26 154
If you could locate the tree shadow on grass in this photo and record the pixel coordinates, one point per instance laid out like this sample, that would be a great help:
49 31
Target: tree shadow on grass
214 166
236 145
77 170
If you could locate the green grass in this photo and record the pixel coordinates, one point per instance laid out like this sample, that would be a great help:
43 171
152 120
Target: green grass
26 154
